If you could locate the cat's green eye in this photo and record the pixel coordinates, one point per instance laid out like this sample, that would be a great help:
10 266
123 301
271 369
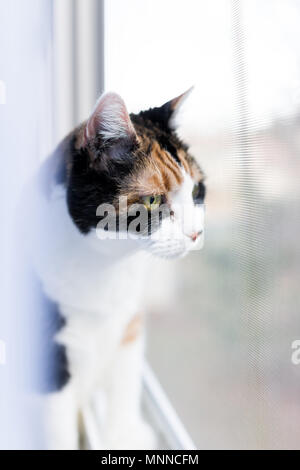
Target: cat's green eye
195 191
151 202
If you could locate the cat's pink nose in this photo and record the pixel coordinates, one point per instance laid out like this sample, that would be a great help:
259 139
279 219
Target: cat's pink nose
195 235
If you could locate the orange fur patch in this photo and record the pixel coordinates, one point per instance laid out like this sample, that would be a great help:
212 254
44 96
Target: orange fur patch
133 330
160 175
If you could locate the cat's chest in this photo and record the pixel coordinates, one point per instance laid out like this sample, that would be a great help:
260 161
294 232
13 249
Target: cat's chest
89 282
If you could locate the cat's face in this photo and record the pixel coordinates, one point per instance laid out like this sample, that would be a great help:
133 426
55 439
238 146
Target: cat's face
132 175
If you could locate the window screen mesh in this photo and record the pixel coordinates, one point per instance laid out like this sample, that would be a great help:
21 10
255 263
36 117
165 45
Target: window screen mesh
223 351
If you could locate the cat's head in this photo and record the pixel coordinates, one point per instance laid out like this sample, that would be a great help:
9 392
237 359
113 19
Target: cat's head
132 175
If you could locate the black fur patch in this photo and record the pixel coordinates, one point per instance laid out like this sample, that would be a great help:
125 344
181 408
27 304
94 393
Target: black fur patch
159 116
92 185
155 125
199 193
51 371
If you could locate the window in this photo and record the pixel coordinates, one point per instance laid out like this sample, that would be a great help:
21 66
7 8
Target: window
222 326
223 322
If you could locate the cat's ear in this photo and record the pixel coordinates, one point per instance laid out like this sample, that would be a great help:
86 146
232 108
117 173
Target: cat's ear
171 108
165 115
110 120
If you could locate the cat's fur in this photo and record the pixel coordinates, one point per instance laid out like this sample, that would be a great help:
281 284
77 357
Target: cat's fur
94 286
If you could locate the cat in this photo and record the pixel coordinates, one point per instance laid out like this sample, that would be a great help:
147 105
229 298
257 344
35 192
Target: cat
92 276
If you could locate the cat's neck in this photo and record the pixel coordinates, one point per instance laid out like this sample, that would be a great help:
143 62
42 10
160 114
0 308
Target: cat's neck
113 249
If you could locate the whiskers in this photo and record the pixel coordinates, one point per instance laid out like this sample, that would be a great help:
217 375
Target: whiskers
169 248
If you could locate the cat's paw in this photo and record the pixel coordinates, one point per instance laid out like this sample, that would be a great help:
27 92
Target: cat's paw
138 436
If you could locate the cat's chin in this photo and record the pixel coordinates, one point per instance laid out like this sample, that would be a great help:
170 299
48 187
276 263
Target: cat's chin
170 249
170 255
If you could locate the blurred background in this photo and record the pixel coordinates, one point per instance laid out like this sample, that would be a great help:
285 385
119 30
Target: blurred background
221 322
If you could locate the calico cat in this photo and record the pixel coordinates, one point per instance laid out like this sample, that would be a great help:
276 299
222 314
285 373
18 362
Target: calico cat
93 275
